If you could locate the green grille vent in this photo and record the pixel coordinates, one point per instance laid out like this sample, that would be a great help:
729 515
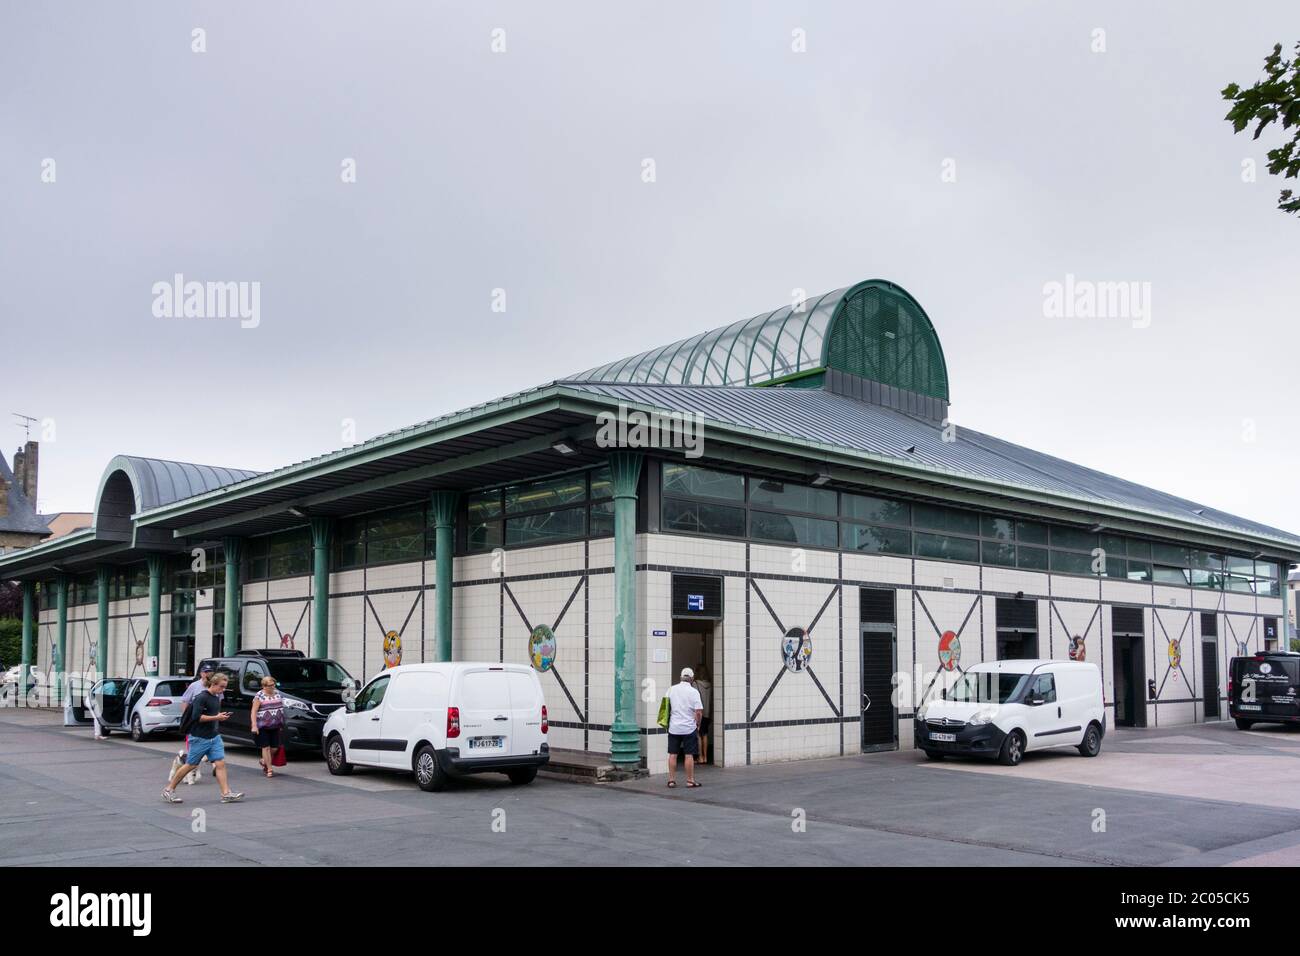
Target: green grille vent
880 333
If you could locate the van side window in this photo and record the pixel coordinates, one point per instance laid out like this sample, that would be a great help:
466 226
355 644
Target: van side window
372 696
1045 687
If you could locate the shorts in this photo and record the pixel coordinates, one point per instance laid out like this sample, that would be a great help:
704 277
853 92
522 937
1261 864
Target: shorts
685 744
705 724
268 737
200 747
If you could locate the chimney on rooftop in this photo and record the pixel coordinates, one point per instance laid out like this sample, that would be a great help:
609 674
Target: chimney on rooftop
26 463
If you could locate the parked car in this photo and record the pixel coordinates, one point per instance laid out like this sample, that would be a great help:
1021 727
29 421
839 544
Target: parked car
1262 689
443 720
312 688
1003 709
141 705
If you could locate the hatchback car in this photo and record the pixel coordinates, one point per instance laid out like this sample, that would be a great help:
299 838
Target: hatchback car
141 705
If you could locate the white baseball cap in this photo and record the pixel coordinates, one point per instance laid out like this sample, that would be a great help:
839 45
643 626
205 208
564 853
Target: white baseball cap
687 673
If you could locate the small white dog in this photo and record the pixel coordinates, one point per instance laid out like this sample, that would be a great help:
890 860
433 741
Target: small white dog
192 777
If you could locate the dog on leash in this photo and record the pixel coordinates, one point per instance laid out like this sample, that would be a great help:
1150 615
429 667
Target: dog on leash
192 777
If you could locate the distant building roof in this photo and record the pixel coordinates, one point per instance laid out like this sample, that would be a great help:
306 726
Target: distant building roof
65 522
20 517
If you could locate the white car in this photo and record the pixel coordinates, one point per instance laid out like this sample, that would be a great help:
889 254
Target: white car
1005 708
443 720
141 705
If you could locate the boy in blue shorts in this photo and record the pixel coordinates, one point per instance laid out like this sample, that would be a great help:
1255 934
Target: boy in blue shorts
205 741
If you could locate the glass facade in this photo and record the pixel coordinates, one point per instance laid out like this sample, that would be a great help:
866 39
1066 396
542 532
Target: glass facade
705 501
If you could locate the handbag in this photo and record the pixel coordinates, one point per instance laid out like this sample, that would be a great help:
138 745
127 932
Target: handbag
664 710
280 757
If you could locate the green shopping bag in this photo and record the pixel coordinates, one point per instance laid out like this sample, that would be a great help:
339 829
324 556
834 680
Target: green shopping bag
663 712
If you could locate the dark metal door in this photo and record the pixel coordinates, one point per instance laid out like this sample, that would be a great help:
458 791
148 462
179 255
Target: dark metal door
1210 678
879 665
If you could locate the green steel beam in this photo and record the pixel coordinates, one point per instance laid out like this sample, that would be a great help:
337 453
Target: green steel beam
488 456
625 734
233 548
103 577
29 636
155 563
444 523
460 424
60 635
322 533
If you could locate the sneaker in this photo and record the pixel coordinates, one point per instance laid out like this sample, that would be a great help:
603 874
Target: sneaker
231 797
170 796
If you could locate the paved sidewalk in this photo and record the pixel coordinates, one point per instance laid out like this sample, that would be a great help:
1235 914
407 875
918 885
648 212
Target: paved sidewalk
65 798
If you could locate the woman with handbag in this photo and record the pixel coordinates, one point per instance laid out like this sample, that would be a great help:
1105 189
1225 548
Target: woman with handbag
266 722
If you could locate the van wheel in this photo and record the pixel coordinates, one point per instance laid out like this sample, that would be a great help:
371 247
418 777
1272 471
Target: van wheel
137 729
1091 745
336 757
934 755
1013 749
522 775
428 774
1243 724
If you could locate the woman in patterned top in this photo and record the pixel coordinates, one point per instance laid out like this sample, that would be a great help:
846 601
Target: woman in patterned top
267 720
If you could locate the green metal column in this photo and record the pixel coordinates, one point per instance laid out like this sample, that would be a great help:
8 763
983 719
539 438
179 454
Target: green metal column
155 563
233 548
322 533
29 637
444 527
625 734
103 577
60 635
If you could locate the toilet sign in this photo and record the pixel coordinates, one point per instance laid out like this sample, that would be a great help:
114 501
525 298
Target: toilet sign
695 602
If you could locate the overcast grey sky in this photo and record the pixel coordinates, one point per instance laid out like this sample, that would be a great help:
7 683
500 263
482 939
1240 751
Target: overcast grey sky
522 170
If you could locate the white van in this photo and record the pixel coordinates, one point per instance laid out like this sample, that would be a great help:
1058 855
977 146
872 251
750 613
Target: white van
443 720
1004 708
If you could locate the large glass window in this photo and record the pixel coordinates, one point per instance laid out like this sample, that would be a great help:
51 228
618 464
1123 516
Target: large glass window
701 517
538 512
281 555
694 482
875 510
876 539
792 529
787 497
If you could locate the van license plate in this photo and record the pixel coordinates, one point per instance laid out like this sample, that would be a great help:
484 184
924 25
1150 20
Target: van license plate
1248 707
944 738
486 743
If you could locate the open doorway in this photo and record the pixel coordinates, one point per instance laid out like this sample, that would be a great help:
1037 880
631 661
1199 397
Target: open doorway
696 645
1128 629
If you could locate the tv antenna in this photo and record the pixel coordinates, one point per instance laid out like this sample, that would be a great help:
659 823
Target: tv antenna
26 422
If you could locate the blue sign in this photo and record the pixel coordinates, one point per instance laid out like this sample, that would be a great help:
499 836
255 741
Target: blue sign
658 633
695 602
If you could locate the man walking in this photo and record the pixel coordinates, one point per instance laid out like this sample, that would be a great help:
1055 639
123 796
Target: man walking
684 712
197 687
205 741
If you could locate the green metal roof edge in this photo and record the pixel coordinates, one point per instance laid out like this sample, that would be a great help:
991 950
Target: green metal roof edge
960 478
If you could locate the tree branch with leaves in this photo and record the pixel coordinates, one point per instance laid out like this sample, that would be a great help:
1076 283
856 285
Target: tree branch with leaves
1274 99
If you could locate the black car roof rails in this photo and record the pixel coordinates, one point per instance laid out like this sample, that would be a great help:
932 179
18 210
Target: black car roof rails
270 652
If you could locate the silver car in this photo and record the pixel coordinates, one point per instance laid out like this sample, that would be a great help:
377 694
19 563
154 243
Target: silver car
142 705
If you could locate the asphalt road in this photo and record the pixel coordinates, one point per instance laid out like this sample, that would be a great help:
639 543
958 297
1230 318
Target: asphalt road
1204 795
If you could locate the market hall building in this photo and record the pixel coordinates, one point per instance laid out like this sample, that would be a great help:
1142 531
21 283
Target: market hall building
831 551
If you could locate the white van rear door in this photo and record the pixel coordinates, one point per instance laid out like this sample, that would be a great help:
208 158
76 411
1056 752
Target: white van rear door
485 724
525 713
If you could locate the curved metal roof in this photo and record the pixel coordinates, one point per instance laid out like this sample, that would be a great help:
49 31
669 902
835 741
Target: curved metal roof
775 345
156 482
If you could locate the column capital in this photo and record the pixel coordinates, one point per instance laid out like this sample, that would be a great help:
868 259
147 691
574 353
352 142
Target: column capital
322 531
443 504
625 472
232 548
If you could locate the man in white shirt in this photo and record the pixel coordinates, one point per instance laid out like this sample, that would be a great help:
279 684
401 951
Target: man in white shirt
684 712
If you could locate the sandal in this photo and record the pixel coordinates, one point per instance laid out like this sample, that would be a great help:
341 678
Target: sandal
693 784
672 784
269 773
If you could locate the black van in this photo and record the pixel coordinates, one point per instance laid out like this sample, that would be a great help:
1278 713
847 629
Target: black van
1262 689
312 688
